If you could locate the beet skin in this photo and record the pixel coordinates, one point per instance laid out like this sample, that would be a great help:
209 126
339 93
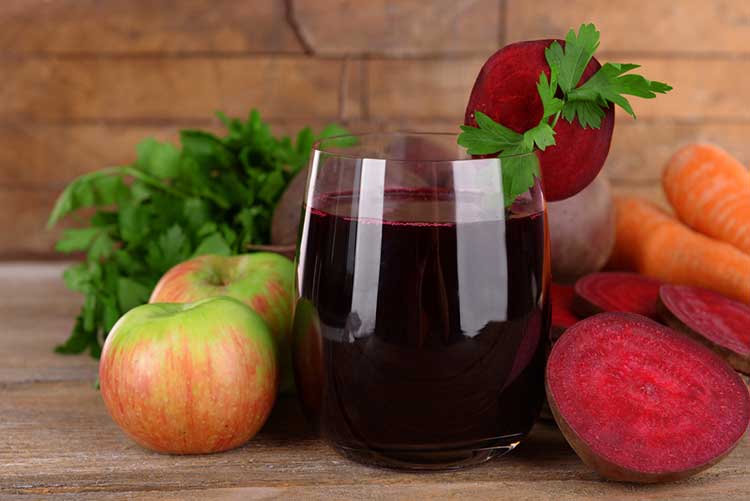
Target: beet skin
506 91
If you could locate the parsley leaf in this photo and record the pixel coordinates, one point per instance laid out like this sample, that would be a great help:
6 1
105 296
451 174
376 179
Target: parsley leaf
78 340
519 173
518 168
76 239
489 137
547 90
215 243
571 61
610 83
94 189
541 136
160 159
589 113
131 293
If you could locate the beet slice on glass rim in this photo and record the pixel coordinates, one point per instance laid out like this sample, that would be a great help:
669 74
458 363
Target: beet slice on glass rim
506 91
640 402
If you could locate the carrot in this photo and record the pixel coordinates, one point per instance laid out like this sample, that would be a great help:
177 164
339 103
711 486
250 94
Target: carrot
653 243
710 192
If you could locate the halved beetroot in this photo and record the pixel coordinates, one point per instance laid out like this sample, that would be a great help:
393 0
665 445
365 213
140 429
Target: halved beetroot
562 315
720 323
506 91
639 402
616 291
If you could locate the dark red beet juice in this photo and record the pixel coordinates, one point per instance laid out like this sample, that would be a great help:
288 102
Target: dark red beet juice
421 337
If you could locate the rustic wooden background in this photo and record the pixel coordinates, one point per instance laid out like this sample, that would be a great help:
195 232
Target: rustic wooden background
82 81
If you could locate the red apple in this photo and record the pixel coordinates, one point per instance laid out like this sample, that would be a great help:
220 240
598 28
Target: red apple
189 378
264 281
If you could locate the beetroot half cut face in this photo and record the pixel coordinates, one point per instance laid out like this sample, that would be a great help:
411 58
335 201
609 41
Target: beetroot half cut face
720 323
640 402
506 91
616 291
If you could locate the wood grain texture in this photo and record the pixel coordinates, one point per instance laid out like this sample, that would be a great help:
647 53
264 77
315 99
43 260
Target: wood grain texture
58 441
168 89
419 90
439 88
51 155
398 27
627 26
29 151
32 328
23 215
704 89
641 148
144 26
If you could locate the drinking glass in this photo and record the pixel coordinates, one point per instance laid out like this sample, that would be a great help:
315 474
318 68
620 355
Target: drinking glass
421 325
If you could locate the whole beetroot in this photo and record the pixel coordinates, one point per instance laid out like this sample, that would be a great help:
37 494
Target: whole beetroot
582 231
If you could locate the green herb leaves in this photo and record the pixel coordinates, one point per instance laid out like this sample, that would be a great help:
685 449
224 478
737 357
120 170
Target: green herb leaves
560 95
489 137
609 84
547 90
214 195
570 63
518 169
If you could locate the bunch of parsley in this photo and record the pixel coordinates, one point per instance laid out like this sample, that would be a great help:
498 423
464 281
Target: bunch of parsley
213 195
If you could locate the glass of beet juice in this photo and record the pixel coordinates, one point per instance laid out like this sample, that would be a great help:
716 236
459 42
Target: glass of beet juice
422 319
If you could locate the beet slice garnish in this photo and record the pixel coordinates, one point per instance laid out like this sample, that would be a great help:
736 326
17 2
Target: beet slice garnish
640 402
616 291
506 91
720 323
562 314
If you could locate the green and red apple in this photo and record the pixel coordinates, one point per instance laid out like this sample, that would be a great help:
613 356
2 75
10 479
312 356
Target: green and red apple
190 378
264 281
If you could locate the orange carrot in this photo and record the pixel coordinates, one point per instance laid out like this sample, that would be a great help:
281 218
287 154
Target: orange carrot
652 242
710 192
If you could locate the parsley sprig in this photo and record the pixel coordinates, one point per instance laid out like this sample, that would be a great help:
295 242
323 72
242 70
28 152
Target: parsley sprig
585 103
214 194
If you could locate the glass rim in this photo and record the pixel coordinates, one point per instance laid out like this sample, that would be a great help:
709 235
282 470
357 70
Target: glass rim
342 153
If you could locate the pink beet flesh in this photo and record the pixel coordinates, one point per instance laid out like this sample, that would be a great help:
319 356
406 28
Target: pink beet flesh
506 91
562 299
644 398
719 319
620 291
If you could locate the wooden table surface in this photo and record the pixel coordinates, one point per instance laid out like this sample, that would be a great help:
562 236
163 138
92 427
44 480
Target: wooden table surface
56 439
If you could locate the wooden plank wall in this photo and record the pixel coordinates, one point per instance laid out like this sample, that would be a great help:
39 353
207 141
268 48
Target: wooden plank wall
84 80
